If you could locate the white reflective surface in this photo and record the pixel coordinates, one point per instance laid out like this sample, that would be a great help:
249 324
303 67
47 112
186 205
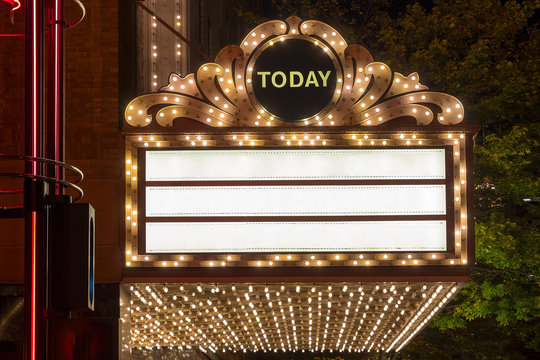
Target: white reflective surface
212 237
318 164
295 200
323 201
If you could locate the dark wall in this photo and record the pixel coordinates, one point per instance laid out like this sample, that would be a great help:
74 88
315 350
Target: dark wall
212 25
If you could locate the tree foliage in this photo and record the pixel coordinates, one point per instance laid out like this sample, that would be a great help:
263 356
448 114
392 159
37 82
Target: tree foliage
503 292
484 52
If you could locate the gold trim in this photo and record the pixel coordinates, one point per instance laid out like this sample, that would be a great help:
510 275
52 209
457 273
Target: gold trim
309 120
304 139
218 94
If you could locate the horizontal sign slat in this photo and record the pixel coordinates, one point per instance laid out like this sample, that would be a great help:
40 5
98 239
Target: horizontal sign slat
212 237
294 164
295 200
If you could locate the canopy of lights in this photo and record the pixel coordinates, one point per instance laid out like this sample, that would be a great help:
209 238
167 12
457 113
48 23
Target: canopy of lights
345 317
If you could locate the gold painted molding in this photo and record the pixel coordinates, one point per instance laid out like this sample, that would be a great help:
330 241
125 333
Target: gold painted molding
368 93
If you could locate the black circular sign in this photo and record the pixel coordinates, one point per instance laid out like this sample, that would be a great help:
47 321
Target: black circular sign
294 79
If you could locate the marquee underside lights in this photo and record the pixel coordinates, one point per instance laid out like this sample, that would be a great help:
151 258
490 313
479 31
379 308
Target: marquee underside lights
237 89
275 317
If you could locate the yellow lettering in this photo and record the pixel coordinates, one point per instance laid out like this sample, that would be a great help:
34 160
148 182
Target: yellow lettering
324 78
296 78
283 79
300 77
263 74
312 79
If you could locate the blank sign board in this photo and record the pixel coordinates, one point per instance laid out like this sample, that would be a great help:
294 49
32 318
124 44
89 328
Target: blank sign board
274 200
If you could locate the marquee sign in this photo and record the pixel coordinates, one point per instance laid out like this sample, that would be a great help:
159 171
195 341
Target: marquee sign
296 149
294 80
344 85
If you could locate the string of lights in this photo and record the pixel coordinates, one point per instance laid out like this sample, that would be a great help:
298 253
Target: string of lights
346 317
456 256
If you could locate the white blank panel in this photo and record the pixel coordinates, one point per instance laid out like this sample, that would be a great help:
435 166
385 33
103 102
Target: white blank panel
213 237
294 164
295 200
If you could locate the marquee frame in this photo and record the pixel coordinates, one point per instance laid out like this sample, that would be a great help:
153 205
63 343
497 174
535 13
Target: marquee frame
373 107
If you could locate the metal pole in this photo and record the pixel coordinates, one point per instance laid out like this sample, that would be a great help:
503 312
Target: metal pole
55 140
34 209
55 91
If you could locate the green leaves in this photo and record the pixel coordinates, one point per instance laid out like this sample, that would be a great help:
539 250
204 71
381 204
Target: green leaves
478 50
504 288
511 161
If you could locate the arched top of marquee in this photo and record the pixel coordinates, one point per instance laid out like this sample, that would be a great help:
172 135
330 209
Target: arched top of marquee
220 93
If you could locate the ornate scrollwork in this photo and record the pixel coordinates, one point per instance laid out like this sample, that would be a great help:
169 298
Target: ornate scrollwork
368 93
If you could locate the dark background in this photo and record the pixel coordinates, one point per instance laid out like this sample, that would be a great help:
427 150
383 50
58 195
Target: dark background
293 104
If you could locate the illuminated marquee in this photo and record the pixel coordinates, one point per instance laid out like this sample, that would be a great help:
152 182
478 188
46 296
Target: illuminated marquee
296 149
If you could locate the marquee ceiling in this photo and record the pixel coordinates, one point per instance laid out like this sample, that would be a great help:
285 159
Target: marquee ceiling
346 317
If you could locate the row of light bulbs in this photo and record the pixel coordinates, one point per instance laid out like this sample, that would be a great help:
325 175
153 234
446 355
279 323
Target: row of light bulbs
316 262
154 42
341 317
269 261
300 139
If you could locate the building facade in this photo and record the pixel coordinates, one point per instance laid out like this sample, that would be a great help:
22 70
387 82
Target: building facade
119 52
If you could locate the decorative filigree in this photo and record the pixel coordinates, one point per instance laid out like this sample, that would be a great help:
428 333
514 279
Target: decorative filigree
368 93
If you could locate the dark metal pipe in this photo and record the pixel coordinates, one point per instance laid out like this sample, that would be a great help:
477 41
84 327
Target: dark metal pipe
55 91
55 135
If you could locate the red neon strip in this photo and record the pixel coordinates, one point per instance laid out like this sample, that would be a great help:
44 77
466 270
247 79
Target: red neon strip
36 54
18 5
57 79
35 83
34 289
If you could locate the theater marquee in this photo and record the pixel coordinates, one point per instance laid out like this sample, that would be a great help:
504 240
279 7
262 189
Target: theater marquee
296 149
